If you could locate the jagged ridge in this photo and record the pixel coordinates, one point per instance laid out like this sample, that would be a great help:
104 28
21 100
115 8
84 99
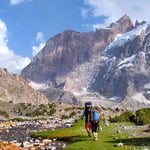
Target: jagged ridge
113 62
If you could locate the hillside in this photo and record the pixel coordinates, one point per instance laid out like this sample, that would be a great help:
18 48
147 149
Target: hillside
15 89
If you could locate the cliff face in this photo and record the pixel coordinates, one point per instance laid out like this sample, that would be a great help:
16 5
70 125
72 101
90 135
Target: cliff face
15 89
64 52
111 62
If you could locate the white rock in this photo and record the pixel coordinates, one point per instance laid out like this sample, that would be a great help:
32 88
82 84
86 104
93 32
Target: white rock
118 145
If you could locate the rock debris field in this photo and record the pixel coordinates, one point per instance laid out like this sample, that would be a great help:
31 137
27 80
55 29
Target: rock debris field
20 133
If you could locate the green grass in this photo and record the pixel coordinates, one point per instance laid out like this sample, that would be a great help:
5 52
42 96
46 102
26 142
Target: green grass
78 139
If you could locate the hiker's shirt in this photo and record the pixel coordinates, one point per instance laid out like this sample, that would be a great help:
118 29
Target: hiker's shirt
87 114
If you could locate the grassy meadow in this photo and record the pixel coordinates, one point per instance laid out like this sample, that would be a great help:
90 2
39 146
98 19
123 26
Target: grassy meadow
109 136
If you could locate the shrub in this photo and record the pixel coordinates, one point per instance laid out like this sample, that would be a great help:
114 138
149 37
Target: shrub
114 119
80 108
79 112
35 113
142 116
67 109
51 105
117 109
72 114
4 113
51 112
125 116
40 119
42 106
19 119
65 117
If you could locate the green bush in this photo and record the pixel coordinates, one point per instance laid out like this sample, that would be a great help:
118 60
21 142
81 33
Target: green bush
42 106
51 112
25 105
125 116
142 116
40 119
4 113
72 114
51 105
117 109
65 117
114 119
19 119
35 113
67 109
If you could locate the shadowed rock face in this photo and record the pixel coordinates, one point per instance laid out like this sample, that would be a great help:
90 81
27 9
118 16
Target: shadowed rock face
99 61
56 95
125 67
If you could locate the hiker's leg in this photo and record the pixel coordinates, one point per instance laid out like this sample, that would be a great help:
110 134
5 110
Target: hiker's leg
96 126
94 130
88 128
96 136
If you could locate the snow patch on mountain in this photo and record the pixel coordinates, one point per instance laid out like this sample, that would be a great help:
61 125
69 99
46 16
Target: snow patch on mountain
127 62
140 98
38 86
147 86
129 36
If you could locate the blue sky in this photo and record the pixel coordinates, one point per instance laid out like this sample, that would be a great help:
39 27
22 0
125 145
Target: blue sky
25 25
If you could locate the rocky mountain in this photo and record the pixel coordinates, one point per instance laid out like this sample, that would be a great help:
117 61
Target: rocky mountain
109 66
57 95
14 89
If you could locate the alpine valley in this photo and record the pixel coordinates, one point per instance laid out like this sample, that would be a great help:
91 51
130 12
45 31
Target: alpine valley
110 66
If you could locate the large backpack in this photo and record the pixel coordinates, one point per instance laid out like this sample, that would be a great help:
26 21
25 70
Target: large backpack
88 105
96 115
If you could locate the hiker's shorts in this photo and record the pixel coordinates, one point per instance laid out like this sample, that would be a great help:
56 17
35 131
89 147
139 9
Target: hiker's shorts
95 125
88 125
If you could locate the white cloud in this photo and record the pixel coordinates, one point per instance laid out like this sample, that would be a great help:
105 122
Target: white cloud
84 13
37 49
115 9
8 59
40 39
15 2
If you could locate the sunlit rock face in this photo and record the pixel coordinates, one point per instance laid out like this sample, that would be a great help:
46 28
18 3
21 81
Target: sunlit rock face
112 62
14 89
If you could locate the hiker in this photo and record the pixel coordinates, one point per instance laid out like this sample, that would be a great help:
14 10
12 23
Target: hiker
87 114
95 118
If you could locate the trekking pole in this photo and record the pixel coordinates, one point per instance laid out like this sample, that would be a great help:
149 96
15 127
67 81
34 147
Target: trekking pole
81 124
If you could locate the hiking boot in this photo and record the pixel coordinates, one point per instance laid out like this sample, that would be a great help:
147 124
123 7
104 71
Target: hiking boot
89 134
95 139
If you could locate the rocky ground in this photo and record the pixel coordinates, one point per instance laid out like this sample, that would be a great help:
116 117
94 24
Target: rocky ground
20 132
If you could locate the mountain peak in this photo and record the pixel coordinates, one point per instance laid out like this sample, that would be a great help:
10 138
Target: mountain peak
123 25
124 17
108 64
69 31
